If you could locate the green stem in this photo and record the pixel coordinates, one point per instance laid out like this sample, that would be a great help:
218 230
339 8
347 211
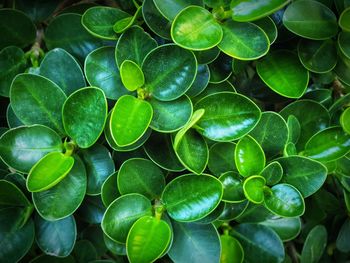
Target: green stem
159 209
221 14
69 148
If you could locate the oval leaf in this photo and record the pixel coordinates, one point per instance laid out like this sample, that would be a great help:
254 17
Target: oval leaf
131 75
315 243
254 189
231 250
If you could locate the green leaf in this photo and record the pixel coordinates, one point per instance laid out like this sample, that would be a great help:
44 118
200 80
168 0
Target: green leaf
200 82
303 173
345 120
160 150
342 242
310 19
122 213
168 81
67 32
42 96
92 210
231 250
215 88
315 243
220 69
287 228
186 33
142 176
237 40
170 116
109 190
272 173
52 259
284 200
84 251
293 129
271 133
249 156
64 198
344 43
56 238
268 25
233 187
250 10
99 165
253 188
101 71
99 21
37 10
342 69
12 62
114 247
17 29
228 116
328 145
155 20
131 75
283 73
11 195
134 44
250 236
15 240
312 117
192 151
221 158
66 72
122 25
207 56
49 171
82 108
129 120
191 197
170 8
196 243
22 147
317 56
344 20
147 240
233 210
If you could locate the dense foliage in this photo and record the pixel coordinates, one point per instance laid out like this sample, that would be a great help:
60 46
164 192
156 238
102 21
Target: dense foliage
177 131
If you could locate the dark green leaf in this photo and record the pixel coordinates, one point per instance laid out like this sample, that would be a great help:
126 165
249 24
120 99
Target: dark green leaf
314 245
345 120
286 228
272 173
109 190
343 237
221 158
344 19
233 187
268 25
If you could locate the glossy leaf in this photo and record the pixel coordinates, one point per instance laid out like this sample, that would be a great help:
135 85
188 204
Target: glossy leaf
122 25
170 116
170 8
293 129
191 197
221 158
328 145
131 75
310 19
220 69
287 228
99 21
233 187
22 147
49 171
186 33
168 81
109 190
99 165
134 44
70 192
66 72
283 73
84 115
147 240
197 243
344 20
56 238
91 210
251 10
17 29
314 245
237 40
12 62
42 96
254 188
344 43
251 235
284 200
249 157
122 213
342 242
345 120
66 31
228 116
342 69
129 120
268 25
233 210
231 250
207 56
11 195
303 173
272 173
140 176
101 71
200 82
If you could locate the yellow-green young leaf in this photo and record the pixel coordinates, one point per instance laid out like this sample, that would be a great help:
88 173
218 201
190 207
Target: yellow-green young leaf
131 75
345 120
254 189
49 171
123 24
191 197
186 33
147 240
231 250
129 120
344 20
249 157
